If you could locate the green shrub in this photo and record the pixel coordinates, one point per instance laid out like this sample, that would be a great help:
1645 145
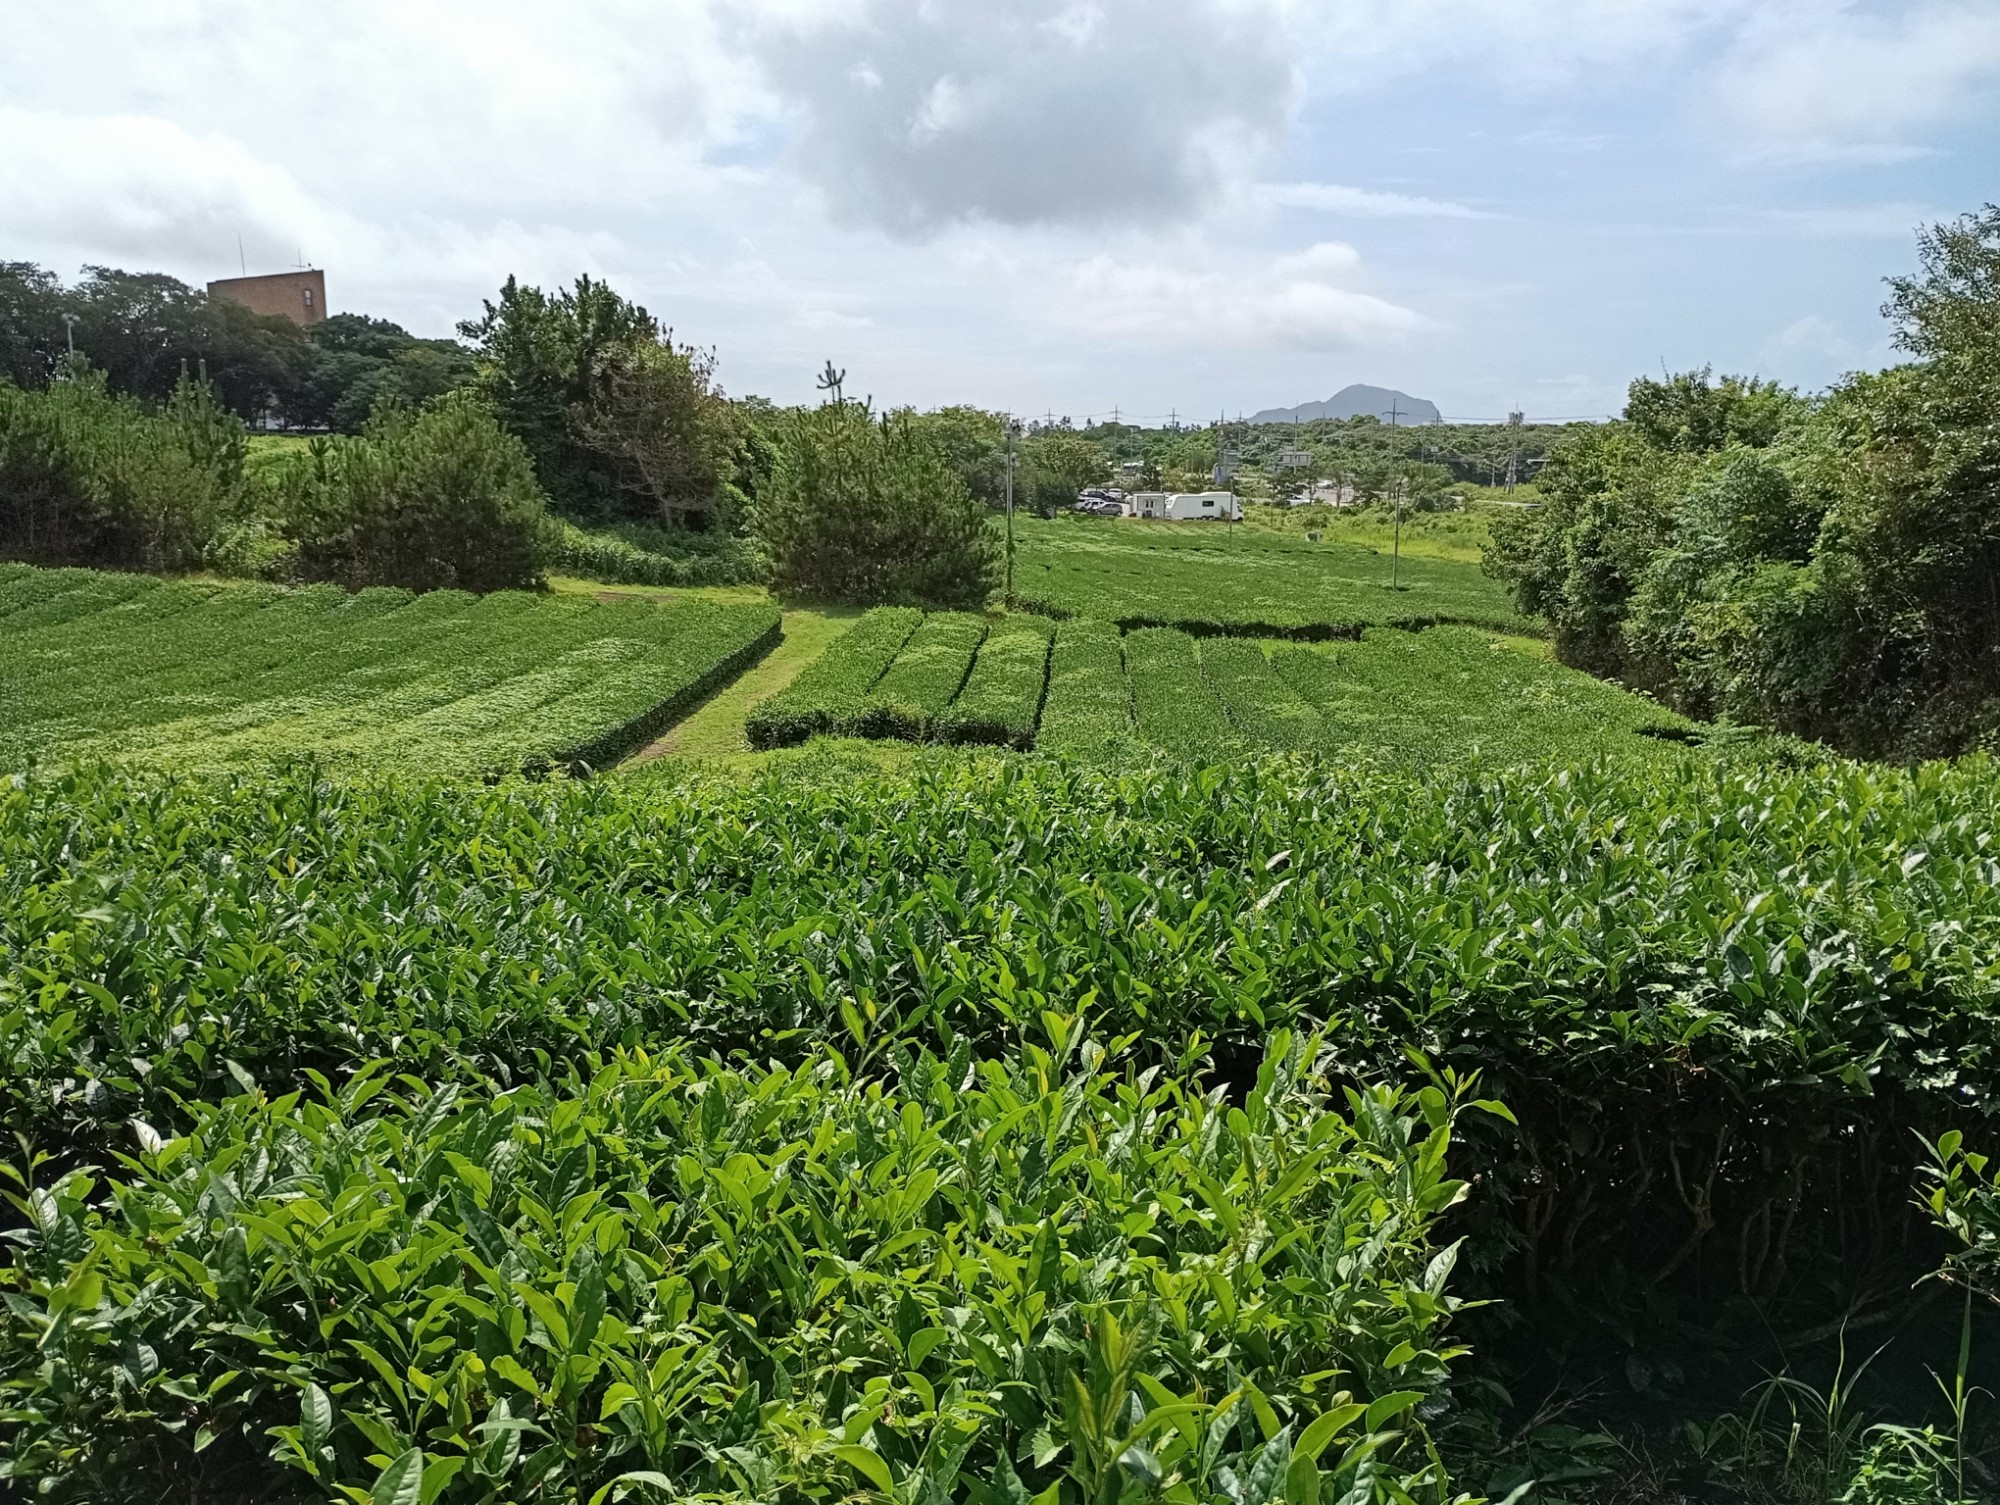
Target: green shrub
87 478
642 554
442 498
832 689
1762 981
966 1282
1002 698
1261 706
1173 704
872 512
924 677
1088 711
206 676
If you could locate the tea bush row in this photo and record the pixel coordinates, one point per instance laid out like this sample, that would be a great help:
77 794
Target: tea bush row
197 676
833 689
1762 981
1262 707
1050 1274
1173 705
1002 698
1089 707
1210 577
910 698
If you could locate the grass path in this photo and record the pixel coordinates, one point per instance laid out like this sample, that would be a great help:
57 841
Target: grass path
715 728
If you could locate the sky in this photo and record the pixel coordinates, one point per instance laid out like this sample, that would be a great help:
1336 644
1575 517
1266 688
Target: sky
1066 207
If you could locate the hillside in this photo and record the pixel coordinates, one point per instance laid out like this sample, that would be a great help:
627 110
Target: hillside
1357 401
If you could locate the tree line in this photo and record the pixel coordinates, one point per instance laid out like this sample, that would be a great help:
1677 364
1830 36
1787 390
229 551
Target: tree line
1828 565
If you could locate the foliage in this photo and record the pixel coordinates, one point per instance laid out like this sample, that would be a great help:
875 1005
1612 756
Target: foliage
1692 413
1054 468
1448 692
665 1270
871 512
362 363
1262 708
1239 580
1720 1000
442 498
834 687
658 417
1828 571
142 329
910 698
200 676
1173 704
619 420
642 554
89 477
1088 711
1002 698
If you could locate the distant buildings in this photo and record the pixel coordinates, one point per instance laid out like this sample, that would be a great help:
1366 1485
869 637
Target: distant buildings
298 296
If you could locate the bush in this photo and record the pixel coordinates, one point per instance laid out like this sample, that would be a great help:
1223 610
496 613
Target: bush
440 498
90 478
753 1283
871 512
646 554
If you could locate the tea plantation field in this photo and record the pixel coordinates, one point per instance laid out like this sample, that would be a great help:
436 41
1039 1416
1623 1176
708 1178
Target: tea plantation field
1084 688
995 1130
1210 576
193 676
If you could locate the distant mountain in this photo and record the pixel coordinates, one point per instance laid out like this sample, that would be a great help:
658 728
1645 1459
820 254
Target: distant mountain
1356 401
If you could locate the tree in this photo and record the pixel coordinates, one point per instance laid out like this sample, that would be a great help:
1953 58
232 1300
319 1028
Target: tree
360 363
658 420
1692 413
1055 467
973 442
577 375
871 511
31 327
439 497
90 477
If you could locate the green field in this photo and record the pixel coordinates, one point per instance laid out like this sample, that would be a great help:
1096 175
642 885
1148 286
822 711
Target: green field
944 1127
197 676
1242 578
672 1125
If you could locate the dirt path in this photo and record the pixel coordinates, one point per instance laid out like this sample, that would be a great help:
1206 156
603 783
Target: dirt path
715 728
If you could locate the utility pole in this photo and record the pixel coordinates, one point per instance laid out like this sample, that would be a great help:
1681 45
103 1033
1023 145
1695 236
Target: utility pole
1513 448
1396 552
69 332
1013 427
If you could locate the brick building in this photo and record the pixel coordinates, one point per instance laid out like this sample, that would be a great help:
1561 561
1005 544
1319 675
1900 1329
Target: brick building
298 296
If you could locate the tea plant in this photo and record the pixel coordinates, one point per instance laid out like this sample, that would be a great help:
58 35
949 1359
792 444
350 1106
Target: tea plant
910 698
192 676
1089 707
1052 1274
1002 698
1173 704
1262 707
1211 578
832 690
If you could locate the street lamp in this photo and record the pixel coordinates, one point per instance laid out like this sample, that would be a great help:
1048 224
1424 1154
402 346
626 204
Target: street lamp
1013 428
69 332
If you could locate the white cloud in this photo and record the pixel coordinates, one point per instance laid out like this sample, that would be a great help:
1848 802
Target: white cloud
1025 111
1362 203
1297 301
1817 79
